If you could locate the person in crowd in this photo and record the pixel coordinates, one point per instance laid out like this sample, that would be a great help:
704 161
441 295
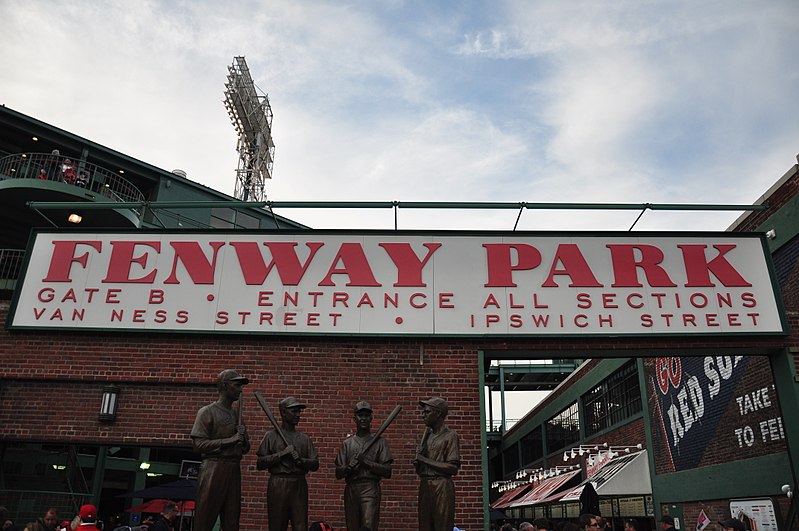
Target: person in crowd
167 517
588 522
363 472
667 523
320 526
540 524
83 179
147 523
438 458
43 174
631 524
732 524
220 437
287 489
571 526
603 523
88 518
36 525
50 519
68 171
526 526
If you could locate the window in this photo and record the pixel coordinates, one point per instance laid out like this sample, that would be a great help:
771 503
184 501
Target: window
532 447
511 458
614 400
563 429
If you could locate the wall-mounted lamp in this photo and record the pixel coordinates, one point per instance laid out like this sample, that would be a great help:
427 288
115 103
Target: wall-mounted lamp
108 407
787 490
144 465
581 450
75 218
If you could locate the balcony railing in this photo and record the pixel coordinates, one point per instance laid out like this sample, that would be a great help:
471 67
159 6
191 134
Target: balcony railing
52 167
10 267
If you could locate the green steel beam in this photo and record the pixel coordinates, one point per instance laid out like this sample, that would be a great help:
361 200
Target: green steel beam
44 205
533 368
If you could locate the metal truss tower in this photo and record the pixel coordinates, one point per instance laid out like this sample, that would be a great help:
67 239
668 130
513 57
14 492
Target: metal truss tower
251 114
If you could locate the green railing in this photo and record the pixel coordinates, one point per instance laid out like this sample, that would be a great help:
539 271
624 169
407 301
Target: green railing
70 171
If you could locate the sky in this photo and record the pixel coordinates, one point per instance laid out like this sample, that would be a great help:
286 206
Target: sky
538 101
618 101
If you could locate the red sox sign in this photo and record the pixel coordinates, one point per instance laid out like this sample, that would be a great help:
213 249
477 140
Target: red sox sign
399 283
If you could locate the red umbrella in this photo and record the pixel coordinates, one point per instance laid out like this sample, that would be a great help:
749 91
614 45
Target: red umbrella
157 506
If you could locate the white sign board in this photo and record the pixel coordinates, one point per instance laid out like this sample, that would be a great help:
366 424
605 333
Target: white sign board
508 284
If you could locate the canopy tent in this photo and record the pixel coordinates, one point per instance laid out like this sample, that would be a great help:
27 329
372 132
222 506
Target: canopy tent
505 500
623 476
545 488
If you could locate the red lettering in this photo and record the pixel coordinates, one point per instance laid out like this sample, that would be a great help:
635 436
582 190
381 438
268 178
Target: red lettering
501 266
415 304
409 267
197 265
630 300
46 295
574 266
264 298
111 296
609 300
156 296
288 319
284 259
122 259
64 256
366 300
342 297
698 268
491 300
355 266
445 300
625 266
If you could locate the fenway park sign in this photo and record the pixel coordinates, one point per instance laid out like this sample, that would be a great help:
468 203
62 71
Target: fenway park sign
449 283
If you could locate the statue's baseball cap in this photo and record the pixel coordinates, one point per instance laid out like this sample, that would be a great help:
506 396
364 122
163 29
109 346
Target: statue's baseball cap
230 375
363 405
290 402
437 403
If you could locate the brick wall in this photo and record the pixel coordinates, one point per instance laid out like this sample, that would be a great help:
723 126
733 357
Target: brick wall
165 379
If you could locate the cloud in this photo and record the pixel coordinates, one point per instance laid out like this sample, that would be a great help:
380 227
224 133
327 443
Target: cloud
614 101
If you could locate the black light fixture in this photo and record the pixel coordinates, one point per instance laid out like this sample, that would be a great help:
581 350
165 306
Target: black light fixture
108 407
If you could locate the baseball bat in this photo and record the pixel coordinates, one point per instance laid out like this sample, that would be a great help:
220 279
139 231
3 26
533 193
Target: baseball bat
271 418
383 427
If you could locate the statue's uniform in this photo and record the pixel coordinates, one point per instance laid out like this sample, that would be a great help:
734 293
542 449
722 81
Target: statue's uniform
219 485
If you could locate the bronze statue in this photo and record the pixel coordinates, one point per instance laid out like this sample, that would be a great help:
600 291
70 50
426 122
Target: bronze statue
438 458
220 437
289 455
363 461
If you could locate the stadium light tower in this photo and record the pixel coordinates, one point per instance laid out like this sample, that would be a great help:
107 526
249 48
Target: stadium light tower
251 115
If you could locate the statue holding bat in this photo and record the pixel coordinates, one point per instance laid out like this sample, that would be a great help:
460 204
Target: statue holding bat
221 439
288 454
362 462
438 458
